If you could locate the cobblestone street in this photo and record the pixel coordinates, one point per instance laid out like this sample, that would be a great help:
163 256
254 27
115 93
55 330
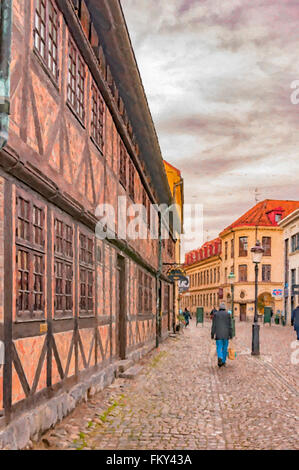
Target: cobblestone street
181 400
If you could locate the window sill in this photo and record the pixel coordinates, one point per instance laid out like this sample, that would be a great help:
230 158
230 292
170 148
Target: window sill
25 319
123 185
46 70
58 317
101 150
75 114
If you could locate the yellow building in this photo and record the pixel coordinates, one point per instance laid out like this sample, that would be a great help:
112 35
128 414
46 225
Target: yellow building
259 223
203 268
209 267
176 184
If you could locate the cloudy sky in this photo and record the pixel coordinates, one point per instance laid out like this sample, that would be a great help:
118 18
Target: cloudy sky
218 76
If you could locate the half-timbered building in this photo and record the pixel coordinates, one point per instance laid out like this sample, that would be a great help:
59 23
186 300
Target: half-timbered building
80 135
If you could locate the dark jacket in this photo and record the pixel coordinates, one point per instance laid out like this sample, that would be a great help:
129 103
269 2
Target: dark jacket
187 315
222 325
295 318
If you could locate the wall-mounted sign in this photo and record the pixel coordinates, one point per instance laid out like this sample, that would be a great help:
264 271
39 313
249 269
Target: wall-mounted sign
277 293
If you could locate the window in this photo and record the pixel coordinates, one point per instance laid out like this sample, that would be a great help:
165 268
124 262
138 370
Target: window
295 242
293 277
266 243
243 273
46 34
278 218
225 274
131 180
123 165
226 249
97 116
232 248
243 246
167 298
86 260
170 248
30 258
145 293
266 273
63 269
76 81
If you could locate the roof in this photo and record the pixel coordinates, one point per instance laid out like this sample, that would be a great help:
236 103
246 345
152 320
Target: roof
109 21
192 256
289 219
258 216
173 167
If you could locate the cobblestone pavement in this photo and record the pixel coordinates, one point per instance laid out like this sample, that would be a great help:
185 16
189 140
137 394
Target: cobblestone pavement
182 400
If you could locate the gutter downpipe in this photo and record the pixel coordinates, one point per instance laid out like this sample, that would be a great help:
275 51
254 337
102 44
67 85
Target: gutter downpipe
5 57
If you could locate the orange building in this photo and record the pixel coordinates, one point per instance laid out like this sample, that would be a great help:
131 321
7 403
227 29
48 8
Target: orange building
259 223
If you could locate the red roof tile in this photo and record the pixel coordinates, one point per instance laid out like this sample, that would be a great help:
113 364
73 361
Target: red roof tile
261 214
191 257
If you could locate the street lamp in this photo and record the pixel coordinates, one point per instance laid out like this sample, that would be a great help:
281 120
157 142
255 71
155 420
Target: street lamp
231 280
257 253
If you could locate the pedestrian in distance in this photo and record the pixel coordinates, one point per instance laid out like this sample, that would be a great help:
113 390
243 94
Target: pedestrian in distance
295 321
222 331
187 316
212 313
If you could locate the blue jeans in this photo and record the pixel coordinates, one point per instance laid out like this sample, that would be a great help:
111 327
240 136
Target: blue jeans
222 345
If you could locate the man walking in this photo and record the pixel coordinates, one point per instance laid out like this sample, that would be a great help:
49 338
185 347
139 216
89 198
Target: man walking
187 316
295 321
223 331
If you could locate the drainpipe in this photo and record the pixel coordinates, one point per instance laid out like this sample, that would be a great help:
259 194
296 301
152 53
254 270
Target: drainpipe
5 57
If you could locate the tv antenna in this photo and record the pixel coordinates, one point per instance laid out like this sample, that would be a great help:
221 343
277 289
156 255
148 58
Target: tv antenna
257 195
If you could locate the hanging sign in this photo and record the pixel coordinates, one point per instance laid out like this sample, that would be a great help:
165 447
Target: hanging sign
176 274
184 284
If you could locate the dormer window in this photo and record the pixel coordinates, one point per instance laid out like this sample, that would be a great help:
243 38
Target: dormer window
275 215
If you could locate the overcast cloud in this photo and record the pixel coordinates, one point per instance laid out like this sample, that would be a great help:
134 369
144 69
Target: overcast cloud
218 76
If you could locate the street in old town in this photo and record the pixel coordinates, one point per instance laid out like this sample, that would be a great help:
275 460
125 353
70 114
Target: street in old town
181 400
148 178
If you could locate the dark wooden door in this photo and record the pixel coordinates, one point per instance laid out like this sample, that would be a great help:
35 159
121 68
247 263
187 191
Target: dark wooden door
121 304
243 312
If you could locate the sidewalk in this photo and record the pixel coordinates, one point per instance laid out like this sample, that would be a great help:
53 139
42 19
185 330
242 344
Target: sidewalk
182 400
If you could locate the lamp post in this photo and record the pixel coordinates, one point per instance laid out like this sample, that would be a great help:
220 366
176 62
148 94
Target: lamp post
231 279
257 254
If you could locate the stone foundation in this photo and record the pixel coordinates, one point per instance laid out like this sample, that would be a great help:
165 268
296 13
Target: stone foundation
31 425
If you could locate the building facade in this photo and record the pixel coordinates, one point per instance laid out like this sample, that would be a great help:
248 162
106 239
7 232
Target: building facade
203 266
262 222
259 223
72 303
176 184
290 226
